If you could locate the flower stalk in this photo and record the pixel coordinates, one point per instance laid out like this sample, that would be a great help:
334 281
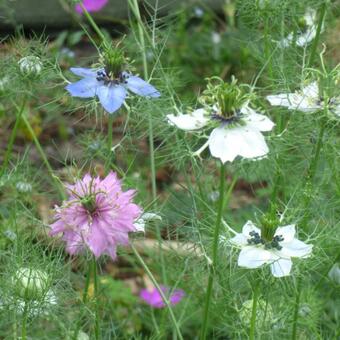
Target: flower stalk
164 298
253 312
96 304
212 267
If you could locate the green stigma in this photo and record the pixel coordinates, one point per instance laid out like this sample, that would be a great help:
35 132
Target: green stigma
269 223
114 61
89 203
229 97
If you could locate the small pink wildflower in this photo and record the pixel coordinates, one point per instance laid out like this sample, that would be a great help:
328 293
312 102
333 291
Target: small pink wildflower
154 299
98 215
91 5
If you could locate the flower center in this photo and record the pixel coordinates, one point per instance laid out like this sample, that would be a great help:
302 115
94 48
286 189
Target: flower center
227 100
89 204
256 239
110 78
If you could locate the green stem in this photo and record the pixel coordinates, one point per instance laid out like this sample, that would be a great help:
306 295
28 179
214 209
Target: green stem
95 283
24 322
43 156
164 298
296 309
109 143
253 313
13 135
318 31
135 9
212 267
92 22
267 48
87 284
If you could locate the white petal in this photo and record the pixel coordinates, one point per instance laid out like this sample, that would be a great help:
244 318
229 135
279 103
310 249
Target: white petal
190 121
151 217
281 267
139 225
239 240
259 122
279 100
227 142
295 248
311 90
336 111
254 257
249 227
287 232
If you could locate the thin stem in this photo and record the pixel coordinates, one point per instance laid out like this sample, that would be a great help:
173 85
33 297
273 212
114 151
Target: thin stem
95 283
135 9
296 308
109 143
214 255
253 313
92 22
43 155
13 135
87 284
164 298
24 322
318 31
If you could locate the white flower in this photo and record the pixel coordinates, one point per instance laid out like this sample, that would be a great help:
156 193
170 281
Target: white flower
334 273
236 136
144 219
30 65
308 99
216 38
255 252
303 37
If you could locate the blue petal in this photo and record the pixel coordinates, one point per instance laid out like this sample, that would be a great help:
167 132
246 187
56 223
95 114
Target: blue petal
141 87
84 88
111 97
84 72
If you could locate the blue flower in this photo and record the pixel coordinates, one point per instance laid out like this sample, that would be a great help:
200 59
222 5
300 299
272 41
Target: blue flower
110 91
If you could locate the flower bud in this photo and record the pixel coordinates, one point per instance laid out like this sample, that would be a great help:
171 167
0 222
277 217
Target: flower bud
30 65
30 283
334 273
24 187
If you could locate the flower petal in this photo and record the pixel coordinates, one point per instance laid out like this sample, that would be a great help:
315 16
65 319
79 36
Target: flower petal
249 227
141 87
258 121
281 99
295 248
190 121
226 143
84 72
281 267
287 232
84 88
239 240
254 257
111 97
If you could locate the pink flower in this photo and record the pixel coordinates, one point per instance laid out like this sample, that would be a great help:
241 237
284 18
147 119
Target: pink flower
98 215
154 299
91 5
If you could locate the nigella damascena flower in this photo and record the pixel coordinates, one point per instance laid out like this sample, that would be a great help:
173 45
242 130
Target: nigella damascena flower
154 299
97 215
236 127
306 32
308 99
110 87
276 250
91 5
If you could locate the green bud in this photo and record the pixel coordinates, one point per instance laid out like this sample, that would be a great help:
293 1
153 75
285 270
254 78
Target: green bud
30 283
264 312
30 65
